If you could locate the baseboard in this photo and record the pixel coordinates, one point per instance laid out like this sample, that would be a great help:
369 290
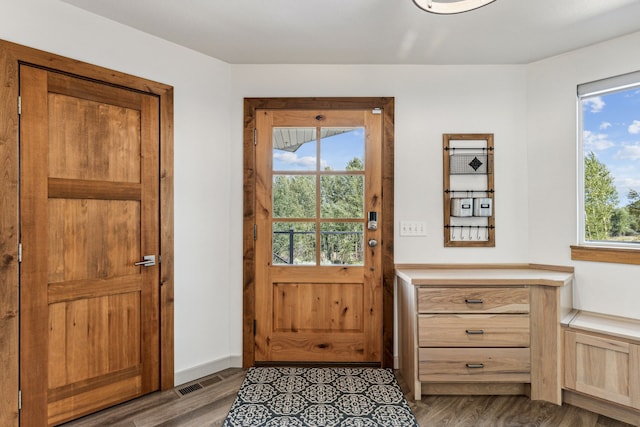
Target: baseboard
474 389
209 368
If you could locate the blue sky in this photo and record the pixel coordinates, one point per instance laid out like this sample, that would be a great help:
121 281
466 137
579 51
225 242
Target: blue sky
336 152
611 125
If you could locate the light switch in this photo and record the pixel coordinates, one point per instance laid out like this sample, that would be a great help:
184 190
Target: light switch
413 228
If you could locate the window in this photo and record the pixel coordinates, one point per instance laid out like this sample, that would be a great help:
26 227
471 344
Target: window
609 164
318 195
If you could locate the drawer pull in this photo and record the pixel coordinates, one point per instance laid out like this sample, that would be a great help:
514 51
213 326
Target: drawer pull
474 301
474 331
475 365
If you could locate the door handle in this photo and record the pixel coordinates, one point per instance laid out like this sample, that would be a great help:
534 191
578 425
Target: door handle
475 365
147 261
373 243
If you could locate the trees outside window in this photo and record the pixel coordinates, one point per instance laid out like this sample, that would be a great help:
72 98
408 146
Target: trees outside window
600 199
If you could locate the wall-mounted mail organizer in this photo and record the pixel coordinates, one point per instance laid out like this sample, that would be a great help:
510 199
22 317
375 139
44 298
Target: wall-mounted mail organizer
469 208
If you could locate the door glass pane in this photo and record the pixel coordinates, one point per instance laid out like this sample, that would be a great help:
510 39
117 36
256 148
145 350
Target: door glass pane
294 243
294 196
342 149
294 149
342 196
341 243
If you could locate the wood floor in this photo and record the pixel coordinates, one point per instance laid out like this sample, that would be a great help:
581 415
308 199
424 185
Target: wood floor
208 406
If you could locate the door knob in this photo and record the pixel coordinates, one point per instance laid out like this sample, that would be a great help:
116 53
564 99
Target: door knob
373 243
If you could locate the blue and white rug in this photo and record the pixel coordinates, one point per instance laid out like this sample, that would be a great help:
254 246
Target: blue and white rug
310 397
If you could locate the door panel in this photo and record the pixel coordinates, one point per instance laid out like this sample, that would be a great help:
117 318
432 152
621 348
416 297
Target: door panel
319 307
105 159
100 245
89 212
318 283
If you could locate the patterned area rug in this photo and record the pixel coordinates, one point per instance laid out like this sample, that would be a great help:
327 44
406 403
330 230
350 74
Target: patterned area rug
344 397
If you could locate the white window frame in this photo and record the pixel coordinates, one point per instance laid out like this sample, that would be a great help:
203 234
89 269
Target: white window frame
605 86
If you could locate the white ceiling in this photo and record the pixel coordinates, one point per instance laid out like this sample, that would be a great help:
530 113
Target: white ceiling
374 31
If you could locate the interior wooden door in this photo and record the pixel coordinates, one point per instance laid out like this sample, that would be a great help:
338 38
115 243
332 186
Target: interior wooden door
89 327
318 259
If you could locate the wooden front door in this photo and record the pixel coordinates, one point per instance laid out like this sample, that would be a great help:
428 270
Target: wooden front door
318 261
89 203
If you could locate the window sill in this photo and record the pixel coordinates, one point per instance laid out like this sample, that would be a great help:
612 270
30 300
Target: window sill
602 254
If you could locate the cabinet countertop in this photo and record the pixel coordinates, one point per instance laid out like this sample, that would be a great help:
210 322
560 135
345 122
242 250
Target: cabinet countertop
484 276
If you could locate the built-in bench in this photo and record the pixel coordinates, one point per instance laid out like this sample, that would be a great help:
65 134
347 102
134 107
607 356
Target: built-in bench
602 364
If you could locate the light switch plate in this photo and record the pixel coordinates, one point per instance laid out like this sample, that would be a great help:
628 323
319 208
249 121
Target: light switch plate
413 228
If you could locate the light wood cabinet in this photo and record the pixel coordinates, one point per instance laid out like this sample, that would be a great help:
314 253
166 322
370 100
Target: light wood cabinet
602 361
482 330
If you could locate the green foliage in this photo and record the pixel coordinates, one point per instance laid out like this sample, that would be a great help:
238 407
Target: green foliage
304 243
600 199
634 203
294 196
621 223
341 197
634 211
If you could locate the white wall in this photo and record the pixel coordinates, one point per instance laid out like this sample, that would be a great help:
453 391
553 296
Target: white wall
551 128
202 216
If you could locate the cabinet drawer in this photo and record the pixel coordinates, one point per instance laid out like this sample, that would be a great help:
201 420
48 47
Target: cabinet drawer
473 330
473 300
474 364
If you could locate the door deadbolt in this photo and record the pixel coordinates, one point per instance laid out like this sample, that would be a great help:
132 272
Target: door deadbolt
372 221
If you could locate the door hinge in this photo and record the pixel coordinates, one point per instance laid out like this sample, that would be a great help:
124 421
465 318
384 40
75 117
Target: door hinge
376 111
255 231
19 252
255 327
255 136
19 105
19 400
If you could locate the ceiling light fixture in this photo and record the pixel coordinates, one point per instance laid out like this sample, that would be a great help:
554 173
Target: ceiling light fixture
444 7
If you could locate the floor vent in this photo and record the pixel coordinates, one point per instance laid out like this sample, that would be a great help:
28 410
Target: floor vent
189 389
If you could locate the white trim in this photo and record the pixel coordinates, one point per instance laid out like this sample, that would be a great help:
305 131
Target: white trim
580 234
209 368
